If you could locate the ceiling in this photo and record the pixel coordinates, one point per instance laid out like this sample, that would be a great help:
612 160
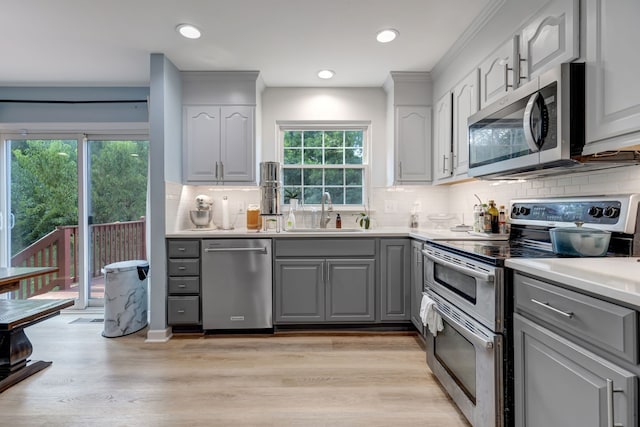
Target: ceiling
98 42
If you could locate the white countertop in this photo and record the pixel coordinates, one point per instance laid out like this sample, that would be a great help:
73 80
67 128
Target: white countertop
614 278
420 234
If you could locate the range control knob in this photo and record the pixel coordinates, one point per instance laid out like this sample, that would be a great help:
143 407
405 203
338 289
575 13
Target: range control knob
595 211
515 210
611 212
524 210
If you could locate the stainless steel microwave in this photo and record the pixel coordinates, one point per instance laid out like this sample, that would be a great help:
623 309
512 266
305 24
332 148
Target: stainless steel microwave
536 128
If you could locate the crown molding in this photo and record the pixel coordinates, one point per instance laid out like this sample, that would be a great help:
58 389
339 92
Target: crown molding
470 33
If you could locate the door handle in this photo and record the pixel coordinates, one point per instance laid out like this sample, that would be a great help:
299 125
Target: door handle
610 409
258 250
482 276
471 336
535 141
567 314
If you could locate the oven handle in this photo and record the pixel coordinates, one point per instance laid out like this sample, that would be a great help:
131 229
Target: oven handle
482 276
474 338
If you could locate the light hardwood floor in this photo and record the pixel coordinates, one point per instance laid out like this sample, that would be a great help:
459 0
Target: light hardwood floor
284 380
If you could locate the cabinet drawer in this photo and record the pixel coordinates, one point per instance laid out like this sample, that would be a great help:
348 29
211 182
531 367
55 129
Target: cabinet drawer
184 267
183 310
608 326
183 248
184 285
316 247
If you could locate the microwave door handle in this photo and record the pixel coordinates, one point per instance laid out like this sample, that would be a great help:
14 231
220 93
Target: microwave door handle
471 336
529 136
482 276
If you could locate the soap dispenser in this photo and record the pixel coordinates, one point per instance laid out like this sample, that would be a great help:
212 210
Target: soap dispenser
291 219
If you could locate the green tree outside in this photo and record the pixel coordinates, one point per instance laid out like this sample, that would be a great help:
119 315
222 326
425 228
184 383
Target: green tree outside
44 185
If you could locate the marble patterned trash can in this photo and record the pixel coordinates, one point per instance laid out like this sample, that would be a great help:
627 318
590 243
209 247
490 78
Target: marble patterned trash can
125 297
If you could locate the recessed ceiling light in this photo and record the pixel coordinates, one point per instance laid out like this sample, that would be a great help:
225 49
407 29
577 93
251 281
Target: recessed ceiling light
385 36
188 31
326 74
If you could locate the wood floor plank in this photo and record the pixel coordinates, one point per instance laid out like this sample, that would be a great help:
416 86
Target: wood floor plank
283 380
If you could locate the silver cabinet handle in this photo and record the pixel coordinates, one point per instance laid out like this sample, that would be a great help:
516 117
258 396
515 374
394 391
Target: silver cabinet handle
182 249
182 267
181 311
482 276
444 163
221 170
12 221
400 170
506 77
182 286
610 408
217 177
471 336
567 314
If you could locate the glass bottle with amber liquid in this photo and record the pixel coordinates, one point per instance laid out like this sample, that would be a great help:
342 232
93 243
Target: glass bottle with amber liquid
494 214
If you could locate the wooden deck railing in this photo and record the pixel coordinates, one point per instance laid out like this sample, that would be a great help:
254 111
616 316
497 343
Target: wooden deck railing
112 242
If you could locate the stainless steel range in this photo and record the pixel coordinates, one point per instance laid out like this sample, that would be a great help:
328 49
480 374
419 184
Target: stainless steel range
472 356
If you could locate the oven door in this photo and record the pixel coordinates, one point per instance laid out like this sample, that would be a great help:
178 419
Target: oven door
467 360
474 287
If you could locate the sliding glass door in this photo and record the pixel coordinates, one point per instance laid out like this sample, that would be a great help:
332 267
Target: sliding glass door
117 206
76 203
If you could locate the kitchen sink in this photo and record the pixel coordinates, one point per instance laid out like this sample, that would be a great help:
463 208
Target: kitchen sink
325 230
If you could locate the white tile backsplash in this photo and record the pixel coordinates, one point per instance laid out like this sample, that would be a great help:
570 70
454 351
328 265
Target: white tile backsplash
457 199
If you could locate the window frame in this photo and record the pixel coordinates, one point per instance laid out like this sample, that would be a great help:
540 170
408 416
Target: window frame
364 126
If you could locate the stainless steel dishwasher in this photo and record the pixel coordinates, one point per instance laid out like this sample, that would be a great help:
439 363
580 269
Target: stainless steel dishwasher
236 284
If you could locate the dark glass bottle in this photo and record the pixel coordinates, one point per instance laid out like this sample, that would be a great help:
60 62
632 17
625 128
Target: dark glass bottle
494 213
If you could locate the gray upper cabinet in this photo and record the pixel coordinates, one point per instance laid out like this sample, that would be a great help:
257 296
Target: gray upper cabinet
442 139
558 383
451 134
409 108
612 64
395 280
551 38
350 290
465 103
496 78
219 144
413 144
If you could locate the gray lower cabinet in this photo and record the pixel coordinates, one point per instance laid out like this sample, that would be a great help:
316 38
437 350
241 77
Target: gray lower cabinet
350 290
395 281
559 383
183 283
324 290
417 279
299 290
575 357
325 280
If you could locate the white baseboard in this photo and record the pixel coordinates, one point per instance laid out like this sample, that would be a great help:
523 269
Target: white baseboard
159 335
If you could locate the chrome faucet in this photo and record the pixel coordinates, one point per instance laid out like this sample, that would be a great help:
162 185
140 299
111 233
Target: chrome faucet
324 213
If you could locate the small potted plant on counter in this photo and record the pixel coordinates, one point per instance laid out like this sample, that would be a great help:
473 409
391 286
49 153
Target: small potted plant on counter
363 219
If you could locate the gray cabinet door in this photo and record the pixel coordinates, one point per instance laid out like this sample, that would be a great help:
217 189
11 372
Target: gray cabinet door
558 383
413 144
350 290
395 282
416 284
299 290
237 151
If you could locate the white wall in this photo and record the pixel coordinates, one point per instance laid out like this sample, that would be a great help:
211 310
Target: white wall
328 104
